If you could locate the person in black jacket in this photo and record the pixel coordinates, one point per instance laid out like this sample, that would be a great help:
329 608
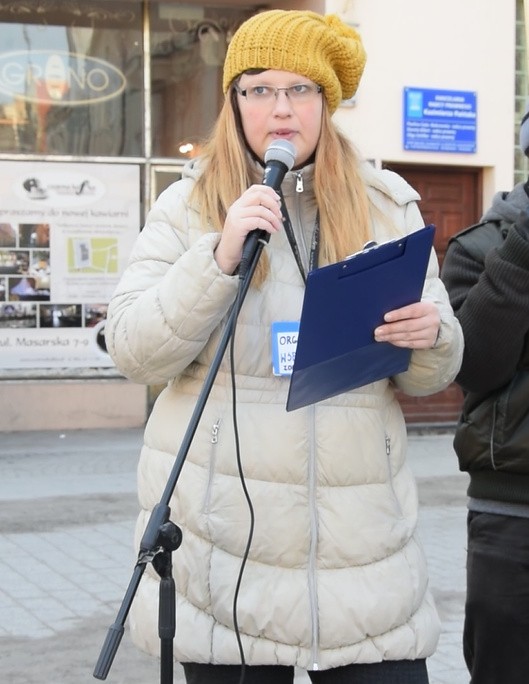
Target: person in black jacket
486 273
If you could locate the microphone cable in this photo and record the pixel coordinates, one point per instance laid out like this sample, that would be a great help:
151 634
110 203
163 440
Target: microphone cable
279 158
238 304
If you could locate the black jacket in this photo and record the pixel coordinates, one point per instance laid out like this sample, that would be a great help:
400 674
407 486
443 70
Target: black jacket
486 273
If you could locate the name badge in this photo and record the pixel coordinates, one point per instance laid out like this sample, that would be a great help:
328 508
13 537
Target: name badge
284 343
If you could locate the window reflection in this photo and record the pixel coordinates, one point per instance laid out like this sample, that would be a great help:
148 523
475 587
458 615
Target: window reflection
188 45
71 77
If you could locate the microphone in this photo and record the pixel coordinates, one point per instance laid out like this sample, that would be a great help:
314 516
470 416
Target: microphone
279 158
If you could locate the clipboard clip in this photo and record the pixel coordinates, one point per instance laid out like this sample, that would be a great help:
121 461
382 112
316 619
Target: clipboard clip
369 245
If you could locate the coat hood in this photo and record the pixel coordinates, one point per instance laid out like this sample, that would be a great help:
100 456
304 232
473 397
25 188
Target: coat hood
506 206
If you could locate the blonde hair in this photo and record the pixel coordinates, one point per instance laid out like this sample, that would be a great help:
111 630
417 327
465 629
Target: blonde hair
344 208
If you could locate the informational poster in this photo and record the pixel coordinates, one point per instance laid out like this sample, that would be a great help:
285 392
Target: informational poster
66 232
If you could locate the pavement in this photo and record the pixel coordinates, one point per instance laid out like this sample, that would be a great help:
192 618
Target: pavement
67 512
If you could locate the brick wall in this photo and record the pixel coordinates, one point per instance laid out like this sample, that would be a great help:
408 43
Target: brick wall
441 408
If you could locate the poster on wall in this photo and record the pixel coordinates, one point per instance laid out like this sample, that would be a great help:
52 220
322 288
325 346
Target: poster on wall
66 231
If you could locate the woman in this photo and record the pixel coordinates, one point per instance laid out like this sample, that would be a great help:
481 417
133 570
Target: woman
336 580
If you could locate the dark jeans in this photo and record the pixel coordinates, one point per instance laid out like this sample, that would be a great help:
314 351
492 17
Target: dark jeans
496 631
388 672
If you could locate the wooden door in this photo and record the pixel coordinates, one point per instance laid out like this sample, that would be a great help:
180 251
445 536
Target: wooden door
451 200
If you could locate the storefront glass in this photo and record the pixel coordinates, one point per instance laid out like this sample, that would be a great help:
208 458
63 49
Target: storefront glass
188 45
101 104
71 77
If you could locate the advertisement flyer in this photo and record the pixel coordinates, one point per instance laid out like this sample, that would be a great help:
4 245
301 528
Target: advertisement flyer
66 231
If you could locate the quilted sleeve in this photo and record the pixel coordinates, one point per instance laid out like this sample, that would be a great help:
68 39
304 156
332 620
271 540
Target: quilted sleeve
171 296
432 370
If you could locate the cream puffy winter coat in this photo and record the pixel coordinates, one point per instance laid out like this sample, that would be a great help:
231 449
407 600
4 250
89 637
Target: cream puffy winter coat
335 573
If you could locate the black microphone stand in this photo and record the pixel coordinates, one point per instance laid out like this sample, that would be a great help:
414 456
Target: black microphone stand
161 536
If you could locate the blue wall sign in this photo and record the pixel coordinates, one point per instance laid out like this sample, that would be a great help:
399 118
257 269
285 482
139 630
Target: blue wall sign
440 120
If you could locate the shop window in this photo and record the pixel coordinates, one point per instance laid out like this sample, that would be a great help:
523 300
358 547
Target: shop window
71 77
162 177
188 45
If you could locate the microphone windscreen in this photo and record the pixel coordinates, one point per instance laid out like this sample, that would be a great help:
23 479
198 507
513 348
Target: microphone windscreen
282 151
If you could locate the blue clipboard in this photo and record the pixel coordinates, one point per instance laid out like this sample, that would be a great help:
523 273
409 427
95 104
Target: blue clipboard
343 304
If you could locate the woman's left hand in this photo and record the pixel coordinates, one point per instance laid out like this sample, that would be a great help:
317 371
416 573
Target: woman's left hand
415 326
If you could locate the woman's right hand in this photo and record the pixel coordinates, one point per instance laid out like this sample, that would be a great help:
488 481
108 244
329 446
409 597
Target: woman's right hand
258 208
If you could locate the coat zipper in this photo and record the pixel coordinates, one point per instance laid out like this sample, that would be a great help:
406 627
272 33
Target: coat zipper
213 453
313 591
390 476
299 181
492 431
304 252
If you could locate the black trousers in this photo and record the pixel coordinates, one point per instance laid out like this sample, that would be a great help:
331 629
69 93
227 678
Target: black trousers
496 630
387 672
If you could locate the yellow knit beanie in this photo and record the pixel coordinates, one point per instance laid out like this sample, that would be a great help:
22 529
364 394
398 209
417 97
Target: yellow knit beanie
321 48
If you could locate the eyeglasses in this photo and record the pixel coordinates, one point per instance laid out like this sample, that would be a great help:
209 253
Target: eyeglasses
300 92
